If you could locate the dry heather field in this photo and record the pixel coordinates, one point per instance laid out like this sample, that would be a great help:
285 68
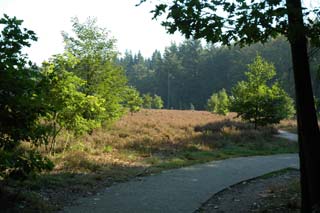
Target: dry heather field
167 139
148 142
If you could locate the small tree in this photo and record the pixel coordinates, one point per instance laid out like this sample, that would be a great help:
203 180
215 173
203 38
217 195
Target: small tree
219 103
133 101
94 52
258 103
67 107
147 101
157 102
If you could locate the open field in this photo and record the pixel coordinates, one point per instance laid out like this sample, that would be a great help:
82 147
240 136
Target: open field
142 143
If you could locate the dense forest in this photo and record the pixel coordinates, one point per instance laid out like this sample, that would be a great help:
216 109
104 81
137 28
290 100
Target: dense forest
185 75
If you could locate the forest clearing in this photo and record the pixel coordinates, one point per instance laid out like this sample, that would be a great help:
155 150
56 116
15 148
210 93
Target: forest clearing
142 143
90 116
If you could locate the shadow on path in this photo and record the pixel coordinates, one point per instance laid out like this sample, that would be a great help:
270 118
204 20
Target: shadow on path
181 190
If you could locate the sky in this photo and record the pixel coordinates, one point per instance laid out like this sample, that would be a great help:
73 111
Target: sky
131 26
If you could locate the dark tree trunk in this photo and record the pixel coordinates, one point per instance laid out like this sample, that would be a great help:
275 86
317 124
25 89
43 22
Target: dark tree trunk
308 130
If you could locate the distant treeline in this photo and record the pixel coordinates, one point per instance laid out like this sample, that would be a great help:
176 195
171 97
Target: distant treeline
187 74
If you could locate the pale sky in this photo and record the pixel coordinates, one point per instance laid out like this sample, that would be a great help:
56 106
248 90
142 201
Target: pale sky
131 26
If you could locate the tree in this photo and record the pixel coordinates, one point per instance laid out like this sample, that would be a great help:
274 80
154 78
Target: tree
147 101
247 22
94 54
133 101
195 71
157 102
20 103
219 103
68 108
258 103
92 47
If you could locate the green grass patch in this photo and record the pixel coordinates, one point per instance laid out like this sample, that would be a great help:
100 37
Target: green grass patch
268 146
188 158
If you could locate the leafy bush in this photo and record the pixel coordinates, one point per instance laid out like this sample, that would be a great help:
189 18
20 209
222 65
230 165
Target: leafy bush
147 101
132 100
219 103
258 103
157 102
152 102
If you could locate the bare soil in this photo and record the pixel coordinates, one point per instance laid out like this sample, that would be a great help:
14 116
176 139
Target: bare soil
277 193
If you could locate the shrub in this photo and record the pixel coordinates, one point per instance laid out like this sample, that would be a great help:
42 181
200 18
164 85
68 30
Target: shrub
133 101
219 103
258 103
147 101
157 102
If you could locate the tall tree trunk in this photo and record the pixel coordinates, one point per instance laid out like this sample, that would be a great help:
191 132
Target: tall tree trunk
309 135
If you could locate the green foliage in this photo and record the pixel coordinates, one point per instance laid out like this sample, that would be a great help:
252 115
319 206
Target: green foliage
18 81
133 101
151 102
147 101
157 102
20 102
239 21
219 103
67 107
212 103
108 149
195 71
95 52
258 103
113 89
